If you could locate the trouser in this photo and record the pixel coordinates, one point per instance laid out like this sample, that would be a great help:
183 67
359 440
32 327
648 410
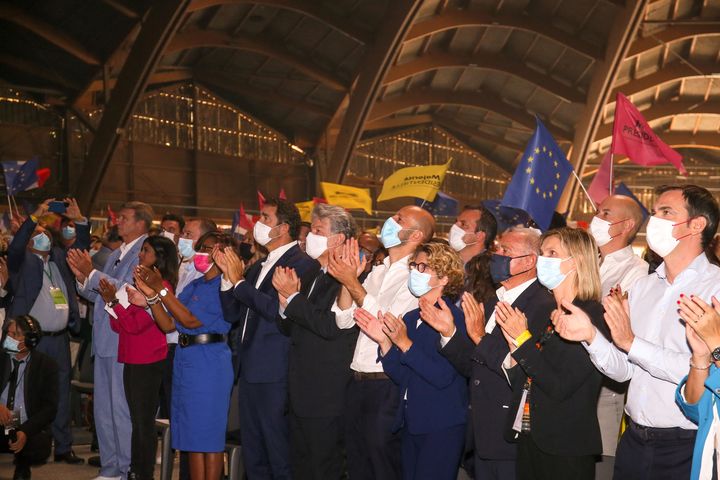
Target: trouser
58 348
264 430
142 390
432 456
316 448
534 464
373 450
654 453
112 417
494 469
36 450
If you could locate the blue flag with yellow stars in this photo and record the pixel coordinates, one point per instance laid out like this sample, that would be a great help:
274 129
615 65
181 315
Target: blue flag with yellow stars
540 178
506 217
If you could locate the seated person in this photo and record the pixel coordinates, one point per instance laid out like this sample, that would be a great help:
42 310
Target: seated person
29 398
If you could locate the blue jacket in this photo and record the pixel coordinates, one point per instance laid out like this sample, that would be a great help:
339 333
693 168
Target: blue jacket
26 272
437 396
117 272
262 357
701 413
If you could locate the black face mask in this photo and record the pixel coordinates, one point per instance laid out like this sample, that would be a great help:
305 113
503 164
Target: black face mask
500 267
246 251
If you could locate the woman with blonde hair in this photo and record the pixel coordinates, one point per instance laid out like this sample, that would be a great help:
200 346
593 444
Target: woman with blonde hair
433 406
555 385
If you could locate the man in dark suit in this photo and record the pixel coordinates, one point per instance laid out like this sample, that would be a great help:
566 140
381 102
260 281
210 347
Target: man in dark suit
260 348
43 287
28 396
320 352
480 354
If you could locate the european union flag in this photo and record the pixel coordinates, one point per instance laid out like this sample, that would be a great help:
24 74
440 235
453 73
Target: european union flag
20 175
540 178
443 205
506 217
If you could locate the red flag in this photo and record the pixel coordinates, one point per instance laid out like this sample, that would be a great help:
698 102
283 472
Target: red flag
42 176
112 218
599 188
261 200
632 136
282 195
246 222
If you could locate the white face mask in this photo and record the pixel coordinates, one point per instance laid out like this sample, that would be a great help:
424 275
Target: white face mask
600 230
315 245
455 238
261 233
660 236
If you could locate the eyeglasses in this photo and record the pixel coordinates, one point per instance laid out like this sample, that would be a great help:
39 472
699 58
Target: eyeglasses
420 267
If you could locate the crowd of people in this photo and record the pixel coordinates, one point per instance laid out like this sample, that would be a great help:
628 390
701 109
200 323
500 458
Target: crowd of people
403 355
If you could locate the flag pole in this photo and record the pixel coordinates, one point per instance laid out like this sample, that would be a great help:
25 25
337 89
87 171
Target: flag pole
16 207
10 207
610 189
583 189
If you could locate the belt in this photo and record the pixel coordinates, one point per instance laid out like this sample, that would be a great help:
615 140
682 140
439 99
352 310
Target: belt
185 340
370 375
654 433
56 334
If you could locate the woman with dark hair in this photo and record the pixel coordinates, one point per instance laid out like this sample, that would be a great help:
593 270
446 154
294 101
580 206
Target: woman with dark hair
142 348
202 370
433 406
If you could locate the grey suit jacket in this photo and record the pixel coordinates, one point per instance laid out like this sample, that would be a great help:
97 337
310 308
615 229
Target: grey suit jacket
118 272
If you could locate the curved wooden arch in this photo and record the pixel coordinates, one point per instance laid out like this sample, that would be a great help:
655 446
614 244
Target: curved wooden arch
672 72
438 60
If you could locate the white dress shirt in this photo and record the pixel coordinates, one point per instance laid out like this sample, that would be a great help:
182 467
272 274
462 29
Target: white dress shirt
621 267
387 291
658 358
508 296
124 248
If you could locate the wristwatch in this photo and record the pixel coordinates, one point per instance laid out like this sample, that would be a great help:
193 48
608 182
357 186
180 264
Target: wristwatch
113 302
163 292
716 354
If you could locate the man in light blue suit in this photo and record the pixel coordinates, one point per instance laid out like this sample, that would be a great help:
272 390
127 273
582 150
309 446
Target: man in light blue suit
112 418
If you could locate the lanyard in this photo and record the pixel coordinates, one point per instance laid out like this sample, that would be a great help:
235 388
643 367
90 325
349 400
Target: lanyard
48 274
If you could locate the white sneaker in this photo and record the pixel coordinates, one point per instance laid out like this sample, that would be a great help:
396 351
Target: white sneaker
100 477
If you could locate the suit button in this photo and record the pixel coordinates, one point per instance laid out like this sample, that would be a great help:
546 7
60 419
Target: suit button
476 382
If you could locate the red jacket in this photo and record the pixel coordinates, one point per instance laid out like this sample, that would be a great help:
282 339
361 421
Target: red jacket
141 340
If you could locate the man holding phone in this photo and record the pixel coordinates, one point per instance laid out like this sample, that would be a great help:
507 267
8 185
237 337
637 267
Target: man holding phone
43 287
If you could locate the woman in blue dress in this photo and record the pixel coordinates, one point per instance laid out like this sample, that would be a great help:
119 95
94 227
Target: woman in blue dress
202 371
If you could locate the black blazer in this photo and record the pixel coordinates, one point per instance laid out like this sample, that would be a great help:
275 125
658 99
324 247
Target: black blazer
41 390
565 387
320 352
263 356
490 393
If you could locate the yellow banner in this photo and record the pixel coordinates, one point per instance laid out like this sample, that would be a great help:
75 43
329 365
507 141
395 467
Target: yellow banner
306 209
347 197
418 182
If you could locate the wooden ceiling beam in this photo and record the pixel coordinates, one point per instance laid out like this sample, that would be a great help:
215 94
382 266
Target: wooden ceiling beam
669 73
37 71
309 8
437 60
47 31
455 126
196 38
669 35
459 18
418 97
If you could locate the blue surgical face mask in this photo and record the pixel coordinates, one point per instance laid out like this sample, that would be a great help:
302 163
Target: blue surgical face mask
10 345
185 247
500 267
390 233
68 233
549 273
41 242
419 283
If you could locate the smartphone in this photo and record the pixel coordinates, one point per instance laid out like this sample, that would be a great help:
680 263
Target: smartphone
57 207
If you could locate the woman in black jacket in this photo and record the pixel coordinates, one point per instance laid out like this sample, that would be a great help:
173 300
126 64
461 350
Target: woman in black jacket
555 385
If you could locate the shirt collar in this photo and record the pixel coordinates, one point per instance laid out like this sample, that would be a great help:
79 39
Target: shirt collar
619 256
128 246
279 252
699 264
504 295
404 261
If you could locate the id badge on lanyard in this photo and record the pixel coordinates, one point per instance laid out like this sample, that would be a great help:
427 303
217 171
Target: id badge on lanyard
56 293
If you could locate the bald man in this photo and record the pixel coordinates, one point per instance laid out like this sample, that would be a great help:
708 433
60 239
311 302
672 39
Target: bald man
614 227
373 399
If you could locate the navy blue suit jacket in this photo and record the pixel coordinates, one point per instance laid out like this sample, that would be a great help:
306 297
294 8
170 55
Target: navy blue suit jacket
26 272
490 393
436 392
263 355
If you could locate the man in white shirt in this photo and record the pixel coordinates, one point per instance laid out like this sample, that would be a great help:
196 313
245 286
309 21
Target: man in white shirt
614 228
373 399
648 340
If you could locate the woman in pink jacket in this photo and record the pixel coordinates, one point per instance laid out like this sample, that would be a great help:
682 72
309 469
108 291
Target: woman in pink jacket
142 348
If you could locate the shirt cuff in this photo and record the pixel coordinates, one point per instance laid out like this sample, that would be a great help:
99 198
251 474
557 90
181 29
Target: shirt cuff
641 351
445 340
599 345
225 284
290 298
507 365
